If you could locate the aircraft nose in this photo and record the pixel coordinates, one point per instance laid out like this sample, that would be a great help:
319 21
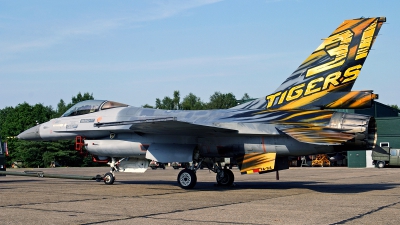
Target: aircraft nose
32 134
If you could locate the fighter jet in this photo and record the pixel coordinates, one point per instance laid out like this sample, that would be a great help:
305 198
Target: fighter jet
295 120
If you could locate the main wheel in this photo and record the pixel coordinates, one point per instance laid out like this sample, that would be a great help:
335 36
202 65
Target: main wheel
225 178
381 164
187 179
109 178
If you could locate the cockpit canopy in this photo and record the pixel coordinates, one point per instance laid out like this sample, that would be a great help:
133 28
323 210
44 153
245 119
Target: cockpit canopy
91 106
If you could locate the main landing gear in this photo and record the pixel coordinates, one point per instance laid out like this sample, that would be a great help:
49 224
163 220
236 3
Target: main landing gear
225 177
187 178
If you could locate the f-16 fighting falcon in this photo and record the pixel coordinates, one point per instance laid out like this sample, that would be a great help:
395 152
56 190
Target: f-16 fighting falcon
295 120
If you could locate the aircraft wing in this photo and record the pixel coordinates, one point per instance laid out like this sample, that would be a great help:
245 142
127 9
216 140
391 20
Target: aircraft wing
167 125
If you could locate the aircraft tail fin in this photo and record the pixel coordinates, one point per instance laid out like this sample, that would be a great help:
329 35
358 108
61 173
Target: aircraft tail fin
328 74
326 77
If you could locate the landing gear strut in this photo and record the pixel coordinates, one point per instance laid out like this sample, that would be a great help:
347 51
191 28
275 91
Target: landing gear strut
127 164
109 177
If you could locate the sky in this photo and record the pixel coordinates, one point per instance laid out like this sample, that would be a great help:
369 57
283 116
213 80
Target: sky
136 51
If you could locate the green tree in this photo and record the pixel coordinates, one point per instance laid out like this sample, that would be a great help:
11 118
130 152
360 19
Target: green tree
147 106
62 107
5 126
221 101
192 102
245 97
166 103
13 121
176 100
30 153
23 116
80 98
169 103
62 152
158 103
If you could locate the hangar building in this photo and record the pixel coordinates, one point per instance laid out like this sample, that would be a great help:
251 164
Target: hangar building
388 125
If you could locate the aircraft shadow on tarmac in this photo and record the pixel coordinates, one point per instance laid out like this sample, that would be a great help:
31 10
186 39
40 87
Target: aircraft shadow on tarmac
322 187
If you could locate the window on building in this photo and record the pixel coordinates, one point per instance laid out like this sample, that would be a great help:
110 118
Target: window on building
384 144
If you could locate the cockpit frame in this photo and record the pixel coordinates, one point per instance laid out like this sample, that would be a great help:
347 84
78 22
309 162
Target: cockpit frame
91 106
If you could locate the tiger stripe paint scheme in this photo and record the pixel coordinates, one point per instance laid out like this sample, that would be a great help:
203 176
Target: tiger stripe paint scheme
316 126
325 78
257 162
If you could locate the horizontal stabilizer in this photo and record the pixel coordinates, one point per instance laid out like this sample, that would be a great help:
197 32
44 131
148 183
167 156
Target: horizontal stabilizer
318 135
351 100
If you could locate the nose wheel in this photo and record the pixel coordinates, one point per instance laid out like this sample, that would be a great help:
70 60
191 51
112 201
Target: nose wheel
109 178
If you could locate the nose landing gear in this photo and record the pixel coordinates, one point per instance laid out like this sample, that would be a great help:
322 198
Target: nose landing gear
109 178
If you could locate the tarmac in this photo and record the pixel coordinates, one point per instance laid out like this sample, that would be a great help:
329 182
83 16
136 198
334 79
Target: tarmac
328 195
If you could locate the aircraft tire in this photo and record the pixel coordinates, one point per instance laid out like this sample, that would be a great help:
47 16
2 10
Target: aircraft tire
228 178
109 178
187 179
381 164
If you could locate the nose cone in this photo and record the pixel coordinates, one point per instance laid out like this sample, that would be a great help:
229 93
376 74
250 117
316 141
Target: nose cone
32 134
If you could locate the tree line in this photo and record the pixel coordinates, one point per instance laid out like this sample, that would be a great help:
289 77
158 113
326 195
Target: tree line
14 120
191 102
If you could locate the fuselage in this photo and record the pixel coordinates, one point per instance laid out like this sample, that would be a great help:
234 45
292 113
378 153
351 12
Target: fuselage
129 131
